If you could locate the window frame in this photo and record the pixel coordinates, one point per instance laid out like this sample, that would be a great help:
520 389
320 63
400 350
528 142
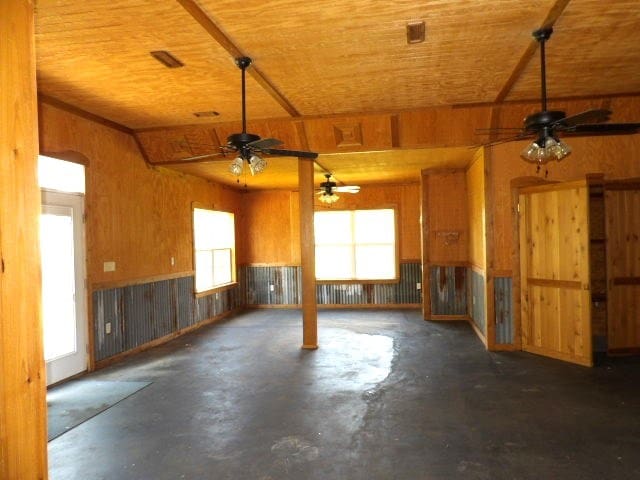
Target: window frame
222 286
396 249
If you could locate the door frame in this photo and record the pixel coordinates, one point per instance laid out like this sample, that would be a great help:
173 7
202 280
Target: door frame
76 201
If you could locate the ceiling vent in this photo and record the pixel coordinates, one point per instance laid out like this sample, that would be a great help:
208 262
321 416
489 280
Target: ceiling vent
210 113
166 59
415 32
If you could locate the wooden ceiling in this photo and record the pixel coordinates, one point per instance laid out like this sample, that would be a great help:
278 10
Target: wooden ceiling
319 59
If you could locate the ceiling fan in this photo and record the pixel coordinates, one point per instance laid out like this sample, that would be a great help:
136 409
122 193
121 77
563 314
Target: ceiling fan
248 146
546 125
329 188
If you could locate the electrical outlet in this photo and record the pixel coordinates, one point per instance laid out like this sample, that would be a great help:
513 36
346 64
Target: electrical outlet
418 286
272 288
107 328
173 261
109 266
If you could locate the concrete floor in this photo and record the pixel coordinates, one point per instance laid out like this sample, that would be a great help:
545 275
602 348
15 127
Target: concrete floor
387 396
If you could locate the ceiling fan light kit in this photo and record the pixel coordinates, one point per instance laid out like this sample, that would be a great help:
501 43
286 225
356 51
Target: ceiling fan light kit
328 189
545 126
249 146
328 198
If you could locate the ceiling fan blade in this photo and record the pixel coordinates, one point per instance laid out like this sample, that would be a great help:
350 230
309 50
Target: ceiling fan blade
515 138
289 153
589 116
605 128
195 159
347 189
265 143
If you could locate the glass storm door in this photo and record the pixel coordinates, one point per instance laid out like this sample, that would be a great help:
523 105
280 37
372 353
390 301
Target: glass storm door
63 291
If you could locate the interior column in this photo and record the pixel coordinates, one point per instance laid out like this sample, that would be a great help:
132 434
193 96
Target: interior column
307 251
23 439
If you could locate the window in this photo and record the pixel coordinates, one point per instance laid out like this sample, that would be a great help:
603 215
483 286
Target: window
54 174
355 244
214 248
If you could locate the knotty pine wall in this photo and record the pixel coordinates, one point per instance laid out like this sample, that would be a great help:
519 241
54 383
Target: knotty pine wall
23 422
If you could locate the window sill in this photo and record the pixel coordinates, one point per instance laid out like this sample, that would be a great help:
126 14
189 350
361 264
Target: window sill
218 289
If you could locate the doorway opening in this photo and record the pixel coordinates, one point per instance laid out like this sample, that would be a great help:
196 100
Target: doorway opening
62 248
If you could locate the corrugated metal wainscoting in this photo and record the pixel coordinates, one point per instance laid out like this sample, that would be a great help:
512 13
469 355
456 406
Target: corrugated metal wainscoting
448 290
267 285
139 314
502 287
478 291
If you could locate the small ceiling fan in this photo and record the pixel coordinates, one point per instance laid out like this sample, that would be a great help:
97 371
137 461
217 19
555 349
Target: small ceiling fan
329 188
248 146
546 125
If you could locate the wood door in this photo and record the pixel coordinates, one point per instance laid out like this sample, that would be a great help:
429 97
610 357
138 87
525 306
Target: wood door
554 270
623 267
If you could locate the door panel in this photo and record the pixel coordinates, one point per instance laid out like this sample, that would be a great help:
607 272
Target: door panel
63 293
554 268
623 268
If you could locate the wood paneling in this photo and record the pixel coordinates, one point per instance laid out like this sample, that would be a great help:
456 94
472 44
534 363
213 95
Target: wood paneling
274 238
372 132
623 268
448 217
23 414
476 208
269 236
137 216
554 269
616 156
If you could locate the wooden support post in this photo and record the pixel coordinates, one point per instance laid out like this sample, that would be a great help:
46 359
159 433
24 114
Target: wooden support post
23 415
307 253
425 242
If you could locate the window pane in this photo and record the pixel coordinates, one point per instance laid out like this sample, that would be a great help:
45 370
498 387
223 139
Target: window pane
204 270
213 229
375 261
60 175
332 227
374 226
222 266
333 262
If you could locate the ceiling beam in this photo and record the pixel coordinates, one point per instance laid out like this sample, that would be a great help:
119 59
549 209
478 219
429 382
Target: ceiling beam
554 13
225 42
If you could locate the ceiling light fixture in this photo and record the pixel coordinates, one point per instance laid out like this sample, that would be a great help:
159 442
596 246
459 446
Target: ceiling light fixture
166 59
256 164
328 198
236 166
546 148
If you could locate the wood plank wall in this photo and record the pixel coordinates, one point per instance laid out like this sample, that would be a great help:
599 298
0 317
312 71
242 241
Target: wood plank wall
272 221
23 438
476 206
447 217
615 156
138 217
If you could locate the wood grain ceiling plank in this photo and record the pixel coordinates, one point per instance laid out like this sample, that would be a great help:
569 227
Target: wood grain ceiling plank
593 52
553 15
95 55
225 42
350 57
